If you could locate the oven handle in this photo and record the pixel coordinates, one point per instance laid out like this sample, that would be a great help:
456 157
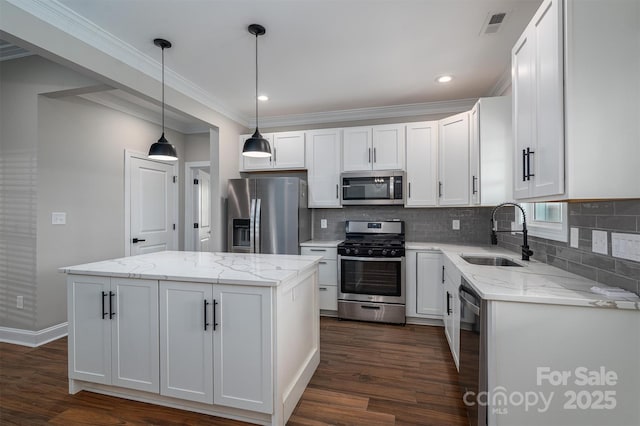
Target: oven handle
373 259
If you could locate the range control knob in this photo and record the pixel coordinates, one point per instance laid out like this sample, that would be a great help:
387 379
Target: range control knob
384 252
393 252
347 250
370 252
355 251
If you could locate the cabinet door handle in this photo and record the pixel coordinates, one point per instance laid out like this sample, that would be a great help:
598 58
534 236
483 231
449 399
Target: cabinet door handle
529 174
409 189
275 158
369 155
215 324
449 311
473 185
374 155
205 314
337 195
104 314
442 274
524 165
439 189
111 313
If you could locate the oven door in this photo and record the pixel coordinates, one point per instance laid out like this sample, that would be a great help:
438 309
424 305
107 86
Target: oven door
371 279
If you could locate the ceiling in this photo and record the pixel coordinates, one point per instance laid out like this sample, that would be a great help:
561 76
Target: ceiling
321 55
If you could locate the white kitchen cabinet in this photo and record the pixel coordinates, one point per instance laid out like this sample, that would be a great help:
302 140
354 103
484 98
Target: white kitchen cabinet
374 148
113 331
186 355
216 344
429 284
490 151
453 184
323 159
287 152
327 277
451 308
422 164
580 123
242 350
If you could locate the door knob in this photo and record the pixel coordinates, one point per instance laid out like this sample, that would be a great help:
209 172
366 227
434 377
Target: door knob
137 240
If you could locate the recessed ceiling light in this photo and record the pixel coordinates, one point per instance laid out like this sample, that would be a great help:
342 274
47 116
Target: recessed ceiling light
263 98
444 79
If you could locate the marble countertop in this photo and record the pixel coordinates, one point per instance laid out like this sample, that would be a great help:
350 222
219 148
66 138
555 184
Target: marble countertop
534 282
227 268
321 243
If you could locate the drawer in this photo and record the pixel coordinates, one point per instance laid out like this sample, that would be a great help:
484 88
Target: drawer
326 252
328 272
328 297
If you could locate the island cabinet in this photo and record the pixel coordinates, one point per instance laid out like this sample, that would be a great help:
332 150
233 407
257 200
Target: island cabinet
216 344
113 331
227 334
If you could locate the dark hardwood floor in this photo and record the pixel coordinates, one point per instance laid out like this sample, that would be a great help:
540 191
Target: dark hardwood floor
369 374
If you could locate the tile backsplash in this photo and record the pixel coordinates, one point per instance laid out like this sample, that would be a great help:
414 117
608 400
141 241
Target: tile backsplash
608 216
423 224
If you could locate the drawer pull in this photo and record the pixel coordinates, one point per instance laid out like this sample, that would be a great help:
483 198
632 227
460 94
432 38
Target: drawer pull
323 263
323 289
317 249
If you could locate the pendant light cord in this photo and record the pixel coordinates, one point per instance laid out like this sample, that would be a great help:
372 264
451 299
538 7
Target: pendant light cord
163 91
256 81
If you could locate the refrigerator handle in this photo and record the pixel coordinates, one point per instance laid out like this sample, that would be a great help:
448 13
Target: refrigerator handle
257 225
252 222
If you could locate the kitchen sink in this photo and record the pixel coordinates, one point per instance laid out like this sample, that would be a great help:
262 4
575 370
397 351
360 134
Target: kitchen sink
490 261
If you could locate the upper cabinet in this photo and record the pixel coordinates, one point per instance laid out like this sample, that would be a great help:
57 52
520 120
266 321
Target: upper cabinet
323 151
453 184
575 128
490 167
422 164
373 148
287 153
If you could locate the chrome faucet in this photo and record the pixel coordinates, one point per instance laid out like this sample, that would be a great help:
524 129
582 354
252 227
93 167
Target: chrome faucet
526 252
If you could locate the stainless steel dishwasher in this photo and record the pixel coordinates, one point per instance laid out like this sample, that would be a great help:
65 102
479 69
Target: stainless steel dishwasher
473 352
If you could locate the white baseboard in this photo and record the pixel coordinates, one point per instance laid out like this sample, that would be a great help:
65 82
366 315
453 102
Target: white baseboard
32 338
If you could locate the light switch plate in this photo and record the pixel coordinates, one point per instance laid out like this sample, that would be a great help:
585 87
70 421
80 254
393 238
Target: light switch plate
323 223
58 218
575 237
455 224
599 242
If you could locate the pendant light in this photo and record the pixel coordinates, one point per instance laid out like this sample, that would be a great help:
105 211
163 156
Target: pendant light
162 150
256 145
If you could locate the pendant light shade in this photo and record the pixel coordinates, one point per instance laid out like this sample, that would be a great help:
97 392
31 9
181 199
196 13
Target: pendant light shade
256 145
163 150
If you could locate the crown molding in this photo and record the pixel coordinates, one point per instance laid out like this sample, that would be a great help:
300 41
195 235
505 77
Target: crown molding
65 19
503 83
396 111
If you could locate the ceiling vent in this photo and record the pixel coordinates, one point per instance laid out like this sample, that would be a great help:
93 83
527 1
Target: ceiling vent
493 23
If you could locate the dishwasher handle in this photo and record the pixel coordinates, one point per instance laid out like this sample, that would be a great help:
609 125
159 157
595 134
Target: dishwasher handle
469 300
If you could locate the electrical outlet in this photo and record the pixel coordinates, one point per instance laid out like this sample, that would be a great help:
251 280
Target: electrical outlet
20 302
323 223
455 224
575 237
599 242
58 218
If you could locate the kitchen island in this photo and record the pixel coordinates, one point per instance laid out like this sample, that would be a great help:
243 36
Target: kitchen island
227 334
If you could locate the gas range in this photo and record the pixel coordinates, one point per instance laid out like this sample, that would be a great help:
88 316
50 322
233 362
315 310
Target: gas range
373 239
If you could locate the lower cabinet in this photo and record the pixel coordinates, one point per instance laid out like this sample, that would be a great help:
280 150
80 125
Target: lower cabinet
216 344
424 285
451 308
327 275
113 331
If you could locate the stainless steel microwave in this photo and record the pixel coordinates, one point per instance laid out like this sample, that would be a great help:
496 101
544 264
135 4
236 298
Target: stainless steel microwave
380 187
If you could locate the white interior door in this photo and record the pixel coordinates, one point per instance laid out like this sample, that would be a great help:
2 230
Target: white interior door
153 206
203 210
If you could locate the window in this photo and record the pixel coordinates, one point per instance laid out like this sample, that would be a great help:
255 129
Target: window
546 220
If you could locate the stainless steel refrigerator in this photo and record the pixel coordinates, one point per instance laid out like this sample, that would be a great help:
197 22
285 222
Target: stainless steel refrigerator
268 215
